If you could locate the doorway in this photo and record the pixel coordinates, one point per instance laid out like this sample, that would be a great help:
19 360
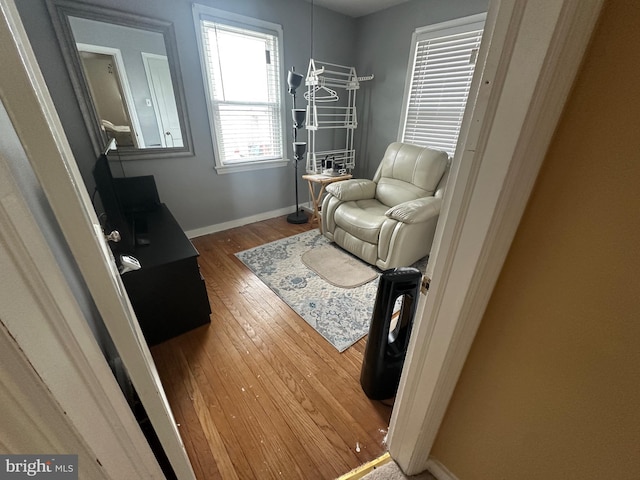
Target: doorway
517 9
158 74
111 94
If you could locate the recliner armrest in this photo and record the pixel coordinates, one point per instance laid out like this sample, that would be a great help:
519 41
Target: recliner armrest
415 211
353 189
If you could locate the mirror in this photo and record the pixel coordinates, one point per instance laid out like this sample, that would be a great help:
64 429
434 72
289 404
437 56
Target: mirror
124 69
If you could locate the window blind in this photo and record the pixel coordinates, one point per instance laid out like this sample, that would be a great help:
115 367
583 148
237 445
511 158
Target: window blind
243 68
442 71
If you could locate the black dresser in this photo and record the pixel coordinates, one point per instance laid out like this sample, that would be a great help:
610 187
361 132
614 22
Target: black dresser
168 293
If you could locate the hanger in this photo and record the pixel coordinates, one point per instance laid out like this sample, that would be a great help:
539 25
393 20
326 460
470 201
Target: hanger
328 95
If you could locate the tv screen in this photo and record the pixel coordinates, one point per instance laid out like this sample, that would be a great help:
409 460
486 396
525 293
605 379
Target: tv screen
112 207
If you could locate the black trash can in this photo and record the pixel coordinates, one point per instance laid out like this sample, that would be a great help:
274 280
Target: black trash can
397 299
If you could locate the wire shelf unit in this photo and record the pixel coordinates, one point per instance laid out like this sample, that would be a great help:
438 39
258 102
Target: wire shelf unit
327 110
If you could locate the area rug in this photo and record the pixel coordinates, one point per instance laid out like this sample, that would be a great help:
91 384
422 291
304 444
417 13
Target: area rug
338 267
340 315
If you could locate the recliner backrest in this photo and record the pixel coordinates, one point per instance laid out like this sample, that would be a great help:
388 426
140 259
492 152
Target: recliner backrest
408 172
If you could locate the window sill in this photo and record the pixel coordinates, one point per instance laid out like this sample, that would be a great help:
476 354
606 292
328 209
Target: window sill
251 166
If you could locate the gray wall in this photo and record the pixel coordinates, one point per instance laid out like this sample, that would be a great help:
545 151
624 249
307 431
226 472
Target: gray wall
383 46
190 186
195 193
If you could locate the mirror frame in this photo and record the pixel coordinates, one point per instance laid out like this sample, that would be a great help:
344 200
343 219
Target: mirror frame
60 11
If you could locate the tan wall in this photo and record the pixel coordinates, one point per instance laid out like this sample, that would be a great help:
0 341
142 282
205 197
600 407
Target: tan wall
551 388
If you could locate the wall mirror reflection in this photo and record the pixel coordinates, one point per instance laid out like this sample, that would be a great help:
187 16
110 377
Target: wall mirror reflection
125 74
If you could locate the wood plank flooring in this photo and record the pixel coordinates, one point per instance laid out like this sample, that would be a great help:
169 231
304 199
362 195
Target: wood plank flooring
259 393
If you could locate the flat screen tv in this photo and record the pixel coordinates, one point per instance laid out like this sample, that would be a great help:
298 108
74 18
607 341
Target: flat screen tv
112 207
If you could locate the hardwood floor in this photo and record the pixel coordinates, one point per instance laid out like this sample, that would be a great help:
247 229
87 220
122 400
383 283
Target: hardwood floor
259 393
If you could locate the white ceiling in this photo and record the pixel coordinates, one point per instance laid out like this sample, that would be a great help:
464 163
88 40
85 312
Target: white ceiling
357 8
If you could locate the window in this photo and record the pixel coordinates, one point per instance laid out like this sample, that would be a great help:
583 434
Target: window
242 70
442 64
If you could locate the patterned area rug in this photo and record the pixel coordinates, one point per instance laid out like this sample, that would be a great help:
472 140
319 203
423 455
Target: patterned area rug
340 315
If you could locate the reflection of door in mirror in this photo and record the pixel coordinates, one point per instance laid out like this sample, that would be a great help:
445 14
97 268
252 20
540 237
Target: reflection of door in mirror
105 75
148 96
159 78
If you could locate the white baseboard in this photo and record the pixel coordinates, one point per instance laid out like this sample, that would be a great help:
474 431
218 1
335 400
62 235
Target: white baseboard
219 227
439 471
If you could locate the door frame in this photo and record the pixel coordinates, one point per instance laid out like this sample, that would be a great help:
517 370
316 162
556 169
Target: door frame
28 103
535 52
52 366
154 93
529 57
125 86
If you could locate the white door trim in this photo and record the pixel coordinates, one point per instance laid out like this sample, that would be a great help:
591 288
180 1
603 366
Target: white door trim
59 395
129 102
25 96
530 55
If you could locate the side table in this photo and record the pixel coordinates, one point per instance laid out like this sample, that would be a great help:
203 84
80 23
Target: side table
316 197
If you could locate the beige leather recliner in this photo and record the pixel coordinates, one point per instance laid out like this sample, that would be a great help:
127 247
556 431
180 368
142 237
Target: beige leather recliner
389 221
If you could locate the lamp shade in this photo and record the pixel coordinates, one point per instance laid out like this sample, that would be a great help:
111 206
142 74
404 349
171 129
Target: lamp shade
294 80
299 149
299 116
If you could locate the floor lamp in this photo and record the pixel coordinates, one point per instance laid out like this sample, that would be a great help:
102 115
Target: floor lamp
294 80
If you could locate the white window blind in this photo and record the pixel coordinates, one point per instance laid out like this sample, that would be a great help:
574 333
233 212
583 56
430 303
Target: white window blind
442 69
241 64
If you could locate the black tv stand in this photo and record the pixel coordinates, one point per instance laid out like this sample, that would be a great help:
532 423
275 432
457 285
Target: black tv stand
168 294
142 241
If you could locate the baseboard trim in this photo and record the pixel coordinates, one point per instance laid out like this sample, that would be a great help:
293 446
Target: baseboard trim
219 227
439 471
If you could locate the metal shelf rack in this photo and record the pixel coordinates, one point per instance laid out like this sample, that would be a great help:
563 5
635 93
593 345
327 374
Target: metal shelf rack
327 111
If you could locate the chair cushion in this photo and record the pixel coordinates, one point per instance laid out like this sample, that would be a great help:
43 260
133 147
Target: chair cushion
408 172
391 191
362 219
